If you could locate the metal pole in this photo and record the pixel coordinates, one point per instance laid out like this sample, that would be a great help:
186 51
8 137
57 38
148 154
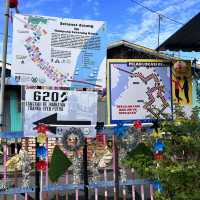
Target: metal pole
4 61
37 174
159 18
116 167
85 172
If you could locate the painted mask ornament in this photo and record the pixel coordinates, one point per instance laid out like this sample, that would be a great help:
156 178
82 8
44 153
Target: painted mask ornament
73 139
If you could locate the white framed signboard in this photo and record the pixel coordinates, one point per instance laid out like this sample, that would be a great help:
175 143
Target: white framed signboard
60 107
50 51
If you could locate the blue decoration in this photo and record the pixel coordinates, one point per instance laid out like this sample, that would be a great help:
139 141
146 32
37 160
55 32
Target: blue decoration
158 146
157 186
120 129
41 151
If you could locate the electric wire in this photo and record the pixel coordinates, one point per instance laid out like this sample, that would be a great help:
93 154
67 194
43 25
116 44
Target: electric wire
155 12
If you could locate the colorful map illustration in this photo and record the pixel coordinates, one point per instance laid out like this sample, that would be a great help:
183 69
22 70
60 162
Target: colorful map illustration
139 91
52 51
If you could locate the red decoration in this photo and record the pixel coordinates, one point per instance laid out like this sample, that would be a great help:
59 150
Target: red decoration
41 128
137 124
13 3
158 156
41 165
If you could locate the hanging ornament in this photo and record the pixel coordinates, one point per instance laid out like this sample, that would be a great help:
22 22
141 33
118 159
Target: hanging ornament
41 152
73 139
137 124
41 165
158 146
41 138
158 156
157 134
157 186
13 3
41 128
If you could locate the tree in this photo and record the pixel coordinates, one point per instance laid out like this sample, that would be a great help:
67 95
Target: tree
179 171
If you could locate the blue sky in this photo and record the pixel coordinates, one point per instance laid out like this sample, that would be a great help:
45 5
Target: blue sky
125 19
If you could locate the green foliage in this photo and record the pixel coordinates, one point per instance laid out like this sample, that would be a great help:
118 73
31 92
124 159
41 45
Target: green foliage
179 172
59 164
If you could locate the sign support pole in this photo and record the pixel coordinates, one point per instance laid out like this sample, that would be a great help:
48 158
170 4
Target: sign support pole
37 174
85 172
4 61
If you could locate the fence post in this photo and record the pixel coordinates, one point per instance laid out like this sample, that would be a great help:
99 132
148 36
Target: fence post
115 167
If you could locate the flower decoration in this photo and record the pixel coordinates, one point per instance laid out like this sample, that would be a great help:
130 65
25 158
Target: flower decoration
41 152
158 156
158 146
137 124
157 186
41 139
41 128
41 165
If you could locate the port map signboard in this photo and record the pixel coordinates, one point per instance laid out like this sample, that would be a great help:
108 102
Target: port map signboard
138 90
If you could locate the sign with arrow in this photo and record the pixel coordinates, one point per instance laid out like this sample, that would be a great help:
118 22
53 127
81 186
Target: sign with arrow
57 108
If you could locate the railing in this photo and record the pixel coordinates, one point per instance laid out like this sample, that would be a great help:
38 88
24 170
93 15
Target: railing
105 189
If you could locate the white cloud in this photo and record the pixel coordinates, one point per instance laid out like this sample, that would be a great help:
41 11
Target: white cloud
146 29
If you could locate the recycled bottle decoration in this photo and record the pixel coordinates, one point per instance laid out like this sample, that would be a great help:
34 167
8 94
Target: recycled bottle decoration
13 3
22 162
158 156
157 186
73 139
41 151
137 124
130 139
41 165
158 146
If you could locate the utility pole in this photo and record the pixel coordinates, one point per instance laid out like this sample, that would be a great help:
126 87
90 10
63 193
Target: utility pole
159 19
4 61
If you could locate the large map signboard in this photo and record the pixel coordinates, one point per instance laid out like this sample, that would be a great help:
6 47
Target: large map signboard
50 51
58 107
138 90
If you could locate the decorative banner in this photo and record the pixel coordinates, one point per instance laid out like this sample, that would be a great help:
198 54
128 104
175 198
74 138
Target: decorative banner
182 82
49 51
60 107
138 90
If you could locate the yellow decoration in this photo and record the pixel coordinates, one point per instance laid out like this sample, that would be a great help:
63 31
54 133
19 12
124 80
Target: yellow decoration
157 134
41 138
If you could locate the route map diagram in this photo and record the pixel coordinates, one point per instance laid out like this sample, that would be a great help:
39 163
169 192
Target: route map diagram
51 51
137 92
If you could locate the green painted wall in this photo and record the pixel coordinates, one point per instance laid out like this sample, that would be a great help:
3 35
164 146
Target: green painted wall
15 113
